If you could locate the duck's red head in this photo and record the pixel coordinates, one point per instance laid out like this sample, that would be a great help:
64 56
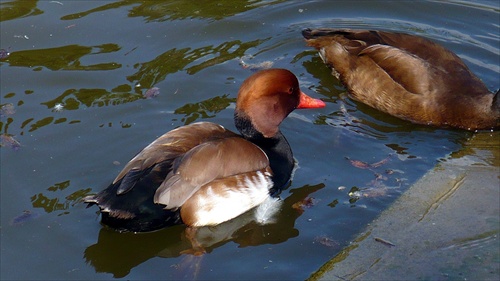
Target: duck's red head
268 96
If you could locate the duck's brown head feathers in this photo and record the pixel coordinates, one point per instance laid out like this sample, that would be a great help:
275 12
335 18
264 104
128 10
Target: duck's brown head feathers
267 97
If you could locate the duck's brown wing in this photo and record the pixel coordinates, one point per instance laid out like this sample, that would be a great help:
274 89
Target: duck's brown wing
206 162
405 69
167 148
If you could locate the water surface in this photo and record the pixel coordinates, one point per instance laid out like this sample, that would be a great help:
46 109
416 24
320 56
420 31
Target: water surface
73 88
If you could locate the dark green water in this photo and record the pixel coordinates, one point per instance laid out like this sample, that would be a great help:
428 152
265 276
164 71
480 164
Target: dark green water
74 113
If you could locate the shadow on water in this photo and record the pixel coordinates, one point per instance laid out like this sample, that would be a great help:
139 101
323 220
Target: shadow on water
179 9
149 10
63 58
204 109
18 9
50 202
118 253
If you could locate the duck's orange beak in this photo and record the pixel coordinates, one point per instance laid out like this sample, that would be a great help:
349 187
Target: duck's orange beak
308 102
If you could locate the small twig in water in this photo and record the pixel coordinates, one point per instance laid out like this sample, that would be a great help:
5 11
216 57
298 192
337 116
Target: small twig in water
385 242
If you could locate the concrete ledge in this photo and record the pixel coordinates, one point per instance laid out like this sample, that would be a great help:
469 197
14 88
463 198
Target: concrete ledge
445 227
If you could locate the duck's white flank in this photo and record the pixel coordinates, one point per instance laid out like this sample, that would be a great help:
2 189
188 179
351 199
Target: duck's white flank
217 202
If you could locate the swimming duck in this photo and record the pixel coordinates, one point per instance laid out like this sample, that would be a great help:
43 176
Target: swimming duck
203 174
407 76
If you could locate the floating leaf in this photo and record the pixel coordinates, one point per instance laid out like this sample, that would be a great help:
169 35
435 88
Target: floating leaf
7 109
9 141
151 93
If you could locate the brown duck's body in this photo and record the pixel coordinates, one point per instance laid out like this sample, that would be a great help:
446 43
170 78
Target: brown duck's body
202 174
407 76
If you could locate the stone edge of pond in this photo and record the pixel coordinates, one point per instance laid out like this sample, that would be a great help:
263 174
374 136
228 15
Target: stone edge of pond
444 227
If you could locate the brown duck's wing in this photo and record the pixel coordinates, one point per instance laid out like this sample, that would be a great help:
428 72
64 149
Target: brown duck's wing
411 72
208 161
447 72
423 48
168 147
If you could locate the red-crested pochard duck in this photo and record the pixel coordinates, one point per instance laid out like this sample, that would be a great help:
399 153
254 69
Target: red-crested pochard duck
407 76
202 174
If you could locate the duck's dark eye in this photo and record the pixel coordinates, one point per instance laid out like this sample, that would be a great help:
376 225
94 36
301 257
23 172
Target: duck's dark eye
290 90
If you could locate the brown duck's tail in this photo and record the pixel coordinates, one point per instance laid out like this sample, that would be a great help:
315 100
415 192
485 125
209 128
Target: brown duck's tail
315 33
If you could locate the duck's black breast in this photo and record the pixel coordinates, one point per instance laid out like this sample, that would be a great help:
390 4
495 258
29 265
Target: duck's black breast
276 148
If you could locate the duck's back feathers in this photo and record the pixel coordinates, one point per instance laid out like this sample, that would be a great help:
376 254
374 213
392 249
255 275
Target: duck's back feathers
173 144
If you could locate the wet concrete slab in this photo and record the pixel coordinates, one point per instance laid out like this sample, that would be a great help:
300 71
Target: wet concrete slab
445 227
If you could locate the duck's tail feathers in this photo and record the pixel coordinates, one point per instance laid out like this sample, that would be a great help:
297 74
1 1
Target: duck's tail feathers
309 33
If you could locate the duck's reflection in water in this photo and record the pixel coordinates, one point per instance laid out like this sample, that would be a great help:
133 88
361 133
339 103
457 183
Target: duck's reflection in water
118 253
